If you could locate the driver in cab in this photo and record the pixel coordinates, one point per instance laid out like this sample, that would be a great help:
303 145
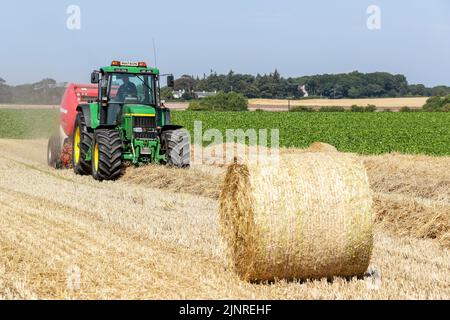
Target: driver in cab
128 88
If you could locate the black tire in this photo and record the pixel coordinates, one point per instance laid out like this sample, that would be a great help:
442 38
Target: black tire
106 155
176 145
80 165
54 152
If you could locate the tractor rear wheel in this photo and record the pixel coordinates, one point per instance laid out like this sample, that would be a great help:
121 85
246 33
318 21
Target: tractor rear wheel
54 152
81 142
106 155
177 148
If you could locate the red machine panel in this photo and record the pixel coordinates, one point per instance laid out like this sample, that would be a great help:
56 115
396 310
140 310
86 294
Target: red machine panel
75 95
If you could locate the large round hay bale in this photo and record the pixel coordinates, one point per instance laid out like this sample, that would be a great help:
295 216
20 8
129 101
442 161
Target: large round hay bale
222 155
321 147
310 216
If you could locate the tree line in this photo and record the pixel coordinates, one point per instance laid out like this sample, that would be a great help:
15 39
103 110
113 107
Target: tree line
46 91
269 86
332 86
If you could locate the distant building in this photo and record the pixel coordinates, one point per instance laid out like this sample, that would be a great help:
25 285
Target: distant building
198 94
178 94
204 94
305 93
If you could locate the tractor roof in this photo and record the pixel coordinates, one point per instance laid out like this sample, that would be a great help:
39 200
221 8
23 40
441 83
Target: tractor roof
129 67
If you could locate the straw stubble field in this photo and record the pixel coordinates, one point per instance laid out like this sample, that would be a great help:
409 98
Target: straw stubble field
155 233
393 104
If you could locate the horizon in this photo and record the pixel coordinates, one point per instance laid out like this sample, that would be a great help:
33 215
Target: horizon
67 40
234 72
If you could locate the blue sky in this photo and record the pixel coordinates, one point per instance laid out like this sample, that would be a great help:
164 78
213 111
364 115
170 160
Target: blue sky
248 36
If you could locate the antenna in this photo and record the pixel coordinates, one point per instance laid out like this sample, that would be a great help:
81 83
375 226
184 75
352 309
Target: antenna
154 52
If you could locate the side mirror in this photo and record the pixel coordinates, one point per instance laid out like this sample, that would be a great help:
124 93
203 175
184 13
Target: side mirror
95 77
170 81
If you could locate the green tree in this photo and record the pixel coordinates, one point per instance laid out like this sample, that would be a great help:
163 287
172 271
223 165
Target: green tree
354 93
186 83
5 92
223 101
437 104
166 93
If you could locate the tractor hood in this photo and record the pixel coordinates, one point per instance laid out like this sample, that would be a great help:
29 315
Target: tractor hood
138 109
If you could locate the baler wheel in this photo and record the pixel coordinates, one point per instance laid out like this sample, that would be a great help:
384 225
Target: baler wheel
106 155
177 148
81 142
54 152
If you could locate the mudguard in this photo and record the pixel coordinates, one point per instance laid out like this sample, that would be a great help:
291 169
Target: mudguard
86 110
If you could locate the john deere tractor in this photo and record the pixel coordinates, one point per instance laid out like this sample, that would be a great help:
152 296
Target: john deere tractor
126 124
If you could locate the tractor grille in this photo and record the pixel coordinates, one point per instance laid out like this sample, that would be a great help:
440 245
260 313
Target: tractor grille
146 135
144 122
144 128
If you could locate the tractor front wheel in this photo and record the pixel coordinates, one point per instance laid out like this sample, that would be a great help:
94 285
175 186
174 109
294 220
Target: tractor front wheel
106 155
176 145
81 142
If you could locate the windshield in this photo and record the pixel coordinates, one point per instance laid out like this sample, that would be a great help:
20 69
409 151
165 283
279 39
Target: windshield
131 88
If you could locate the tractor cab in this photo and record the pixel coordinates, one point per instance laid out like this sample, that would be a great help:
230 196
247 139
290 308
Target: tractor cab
126 84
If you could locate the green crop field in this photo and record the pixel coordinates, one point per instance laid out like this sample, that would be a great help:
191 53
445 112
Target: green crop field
27 124
365 133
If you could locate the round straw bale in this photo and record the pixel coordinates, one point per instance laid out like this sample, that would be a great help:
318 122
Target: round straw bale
227 153
309 216
321 147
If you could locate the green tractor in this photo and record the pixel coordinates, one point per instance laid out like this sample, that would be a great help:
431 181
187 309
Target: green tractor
126 124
